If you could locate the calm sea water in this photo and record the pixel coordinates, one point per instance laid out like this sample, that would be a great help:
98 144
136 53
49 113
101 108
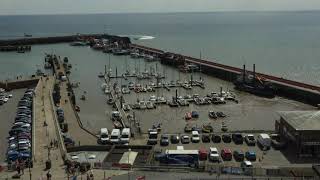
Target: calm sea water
280 43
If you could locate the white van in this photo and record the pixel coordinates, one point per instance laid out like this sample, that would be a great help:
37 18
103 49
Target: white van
125 135
104 136
264 141
115 136
195 138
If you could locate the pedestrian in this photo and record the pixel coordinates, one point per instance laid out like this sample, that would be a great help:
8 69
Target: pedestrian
48 175
22 166
18 168
51 144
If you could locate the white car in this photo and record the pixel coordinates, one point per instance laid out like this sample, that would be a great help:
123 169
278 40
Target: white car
213 154
195 138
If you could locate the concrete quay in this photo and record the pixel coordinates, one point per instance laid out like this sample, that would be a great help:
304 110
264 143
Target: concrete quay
78 133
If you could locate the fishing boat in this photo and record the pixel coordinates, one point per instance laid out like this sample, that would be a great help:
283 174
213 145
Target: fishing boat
254 84
150 105
110 101
78 43
27 35
103 86
173 104
77 108
47 65
135 55
107 90
39 72
101 75
83 97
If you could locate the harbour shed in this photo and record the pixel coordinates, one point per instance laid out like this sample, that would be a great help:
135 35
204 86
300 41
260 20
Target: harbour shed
302 129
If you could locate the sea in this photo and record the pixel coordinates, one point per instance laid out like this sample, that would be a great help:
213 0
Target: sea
284 44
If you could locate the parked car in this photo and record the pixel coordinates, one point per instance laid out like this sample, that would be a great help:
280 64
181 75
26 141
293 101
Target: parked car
226 154
195 138
205 138
216 138
251 156
185 139
164 140
237 138
194 114
226 138
203 154
264 141
250 140
213 154
174 139
238 155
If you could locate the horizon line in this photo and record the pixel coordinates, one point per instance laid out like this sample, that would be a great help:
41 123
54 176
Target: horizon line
173 12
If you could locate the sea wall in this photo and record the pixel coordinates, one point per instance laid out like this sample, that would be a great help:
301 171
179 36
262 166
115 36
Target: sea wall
60 39
18 84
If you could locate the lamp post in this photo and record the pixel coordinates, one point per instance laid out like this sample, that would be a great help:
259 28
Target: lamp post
129 151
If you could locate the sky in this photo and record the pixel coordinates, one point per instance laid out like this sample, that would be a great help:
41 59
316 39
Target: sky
22 7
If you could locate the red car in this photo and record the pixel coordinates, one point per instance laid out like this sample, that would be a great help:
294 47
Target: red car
188 116
203 154
226 154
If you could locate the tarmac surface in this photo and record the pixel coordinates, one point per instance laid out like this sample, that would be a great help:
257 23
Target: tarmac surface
7 115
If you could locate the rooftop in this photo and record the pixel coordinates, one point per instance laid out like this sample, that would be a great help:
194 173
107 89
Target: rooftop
302 120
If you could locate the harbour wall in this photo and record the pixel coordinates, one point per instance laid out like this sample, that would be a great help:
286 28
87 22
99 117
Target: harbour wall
18 84
59 39
299 91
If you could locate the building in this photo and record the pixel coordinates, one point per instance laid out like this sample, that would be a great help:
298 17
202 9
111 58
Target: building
302 129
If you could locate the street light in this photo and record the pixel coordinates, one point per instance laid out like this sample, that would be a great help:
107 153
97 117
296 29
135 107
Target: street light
129 151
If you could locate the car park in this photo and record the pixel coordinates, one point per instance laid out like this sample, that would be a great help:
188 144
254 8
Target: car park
226 138
250 140
226 154
174 139
216 138
164 140
237 138
213 154
238 155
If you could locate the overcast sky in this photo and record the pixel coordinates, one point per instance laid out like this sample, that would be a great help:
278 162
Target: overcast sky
143 6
